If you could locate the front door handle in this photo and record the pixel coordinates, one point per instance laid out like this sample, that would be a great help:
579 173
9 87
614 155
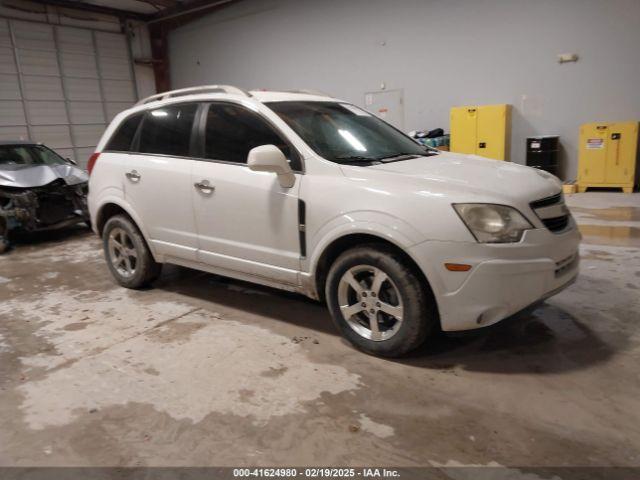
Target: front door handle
205 187
133 176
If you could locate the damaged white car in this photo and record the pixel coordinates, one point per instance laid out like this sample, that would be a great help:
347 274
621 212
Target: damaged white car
39 190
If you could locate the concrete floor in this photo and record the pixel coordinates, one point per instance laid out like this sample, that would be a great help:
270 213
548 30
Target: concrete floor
201 370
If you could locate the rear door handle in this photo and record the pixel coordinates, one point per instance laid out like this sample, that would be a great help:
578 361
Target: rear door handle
205 187
133 176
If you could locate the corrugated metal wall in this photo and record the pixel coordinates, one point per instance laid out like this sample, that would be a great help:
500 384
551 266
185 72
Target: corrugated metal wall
62 85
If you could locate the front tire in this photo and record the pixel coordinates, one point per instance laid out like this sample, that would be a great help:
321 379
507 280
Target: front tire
4 237
128 256
378 302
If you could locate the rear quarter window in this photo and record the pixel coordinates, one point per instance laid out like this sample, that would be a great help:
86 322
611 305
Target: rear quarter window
123 138
167 130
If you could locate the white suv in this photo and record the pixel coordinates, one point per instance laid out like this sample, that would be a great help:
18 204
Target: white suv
314 195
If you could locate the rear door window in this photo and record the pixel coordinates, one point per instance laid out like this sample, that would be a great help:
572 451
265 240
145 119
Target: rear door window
232 131
123 138
167 130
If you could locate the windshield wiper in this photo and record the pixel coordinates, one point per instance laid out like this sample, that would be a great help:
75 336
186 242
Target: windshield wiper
406 155
355 159
399 154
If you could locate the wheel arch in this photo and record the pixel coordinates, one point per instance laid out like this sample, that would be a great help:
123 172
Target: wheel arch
111 208
107 211
345 242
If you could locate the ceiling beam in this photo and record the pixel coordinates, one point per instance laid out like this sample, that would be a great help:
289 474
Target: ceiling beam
87 7
161 3
163 23
189 8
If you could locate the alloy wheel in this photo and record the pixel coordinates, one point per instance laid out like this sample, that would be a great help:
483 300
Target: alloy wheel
370 302
122 252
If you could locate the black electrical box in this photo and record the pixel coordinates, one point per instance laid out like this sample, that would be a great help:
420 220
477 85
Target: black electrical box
543 153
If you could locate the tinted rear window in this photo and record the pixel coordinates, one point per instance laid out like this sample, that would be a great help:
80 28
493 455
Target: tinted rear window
167 130
121 140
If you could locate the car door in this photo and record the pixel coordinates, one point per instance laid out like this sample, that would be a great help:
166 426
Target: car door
158 180
246 221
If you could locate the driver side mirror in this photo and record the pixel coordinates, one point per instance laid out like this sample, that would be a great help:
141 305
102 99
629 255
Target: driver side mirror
269 158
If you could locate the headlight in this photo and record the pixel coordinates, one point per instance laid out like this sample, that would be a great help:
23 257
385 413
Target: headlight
493 223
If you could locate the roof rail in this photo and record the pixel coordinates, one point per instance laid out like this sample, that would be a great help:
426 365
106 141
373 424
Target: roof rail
193 91
306 91
309 91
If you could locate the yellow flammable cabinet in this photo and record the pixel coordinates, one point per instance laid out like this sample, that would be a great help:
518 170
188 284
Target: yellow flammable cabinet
607 155
481 130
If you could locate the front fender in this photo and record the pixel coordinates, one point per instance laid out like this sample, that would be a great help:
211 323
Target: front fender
378 224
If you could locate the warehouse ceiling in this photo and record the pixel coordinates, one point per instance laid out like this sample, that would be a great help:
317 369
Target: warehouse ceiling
140 6
145 7
145 10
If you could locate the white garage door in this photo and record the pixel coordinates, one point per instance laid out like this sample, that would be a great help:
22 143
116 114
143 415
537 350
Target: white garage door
62 85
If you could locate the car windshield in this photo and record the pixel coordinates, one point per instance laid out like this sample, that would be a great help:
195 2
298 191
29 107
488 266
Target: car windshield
344 133
29 155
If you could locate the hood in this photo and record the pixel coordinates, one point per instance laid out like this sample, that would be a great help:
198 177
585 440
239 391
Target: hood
482 178
30 176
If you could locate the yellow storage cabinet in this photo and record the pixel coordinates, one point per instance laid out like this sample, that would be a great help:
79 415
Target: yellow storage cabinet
607 155
464 130
481 130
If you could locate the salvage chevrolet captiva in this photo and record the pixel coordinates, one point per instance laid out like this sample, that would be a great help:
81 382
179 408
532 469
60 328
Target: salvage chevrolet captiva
311 194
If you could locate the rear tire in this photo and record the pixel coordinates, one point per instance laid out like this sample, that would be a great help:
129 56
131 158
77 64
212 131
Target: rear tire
128 256
4 245
378 302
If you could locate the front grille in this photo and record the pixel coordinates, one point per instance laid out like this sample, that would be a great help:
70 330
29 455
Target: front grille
552 212
56 202
54 209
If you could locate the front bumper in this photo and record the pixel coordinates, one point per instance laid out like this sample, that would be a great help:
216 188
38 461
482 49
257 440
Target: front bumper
49 207
504 278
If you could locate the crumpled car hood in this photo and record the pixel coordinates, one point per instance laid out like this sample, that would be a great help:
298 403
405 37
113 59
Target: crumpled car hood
29 176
